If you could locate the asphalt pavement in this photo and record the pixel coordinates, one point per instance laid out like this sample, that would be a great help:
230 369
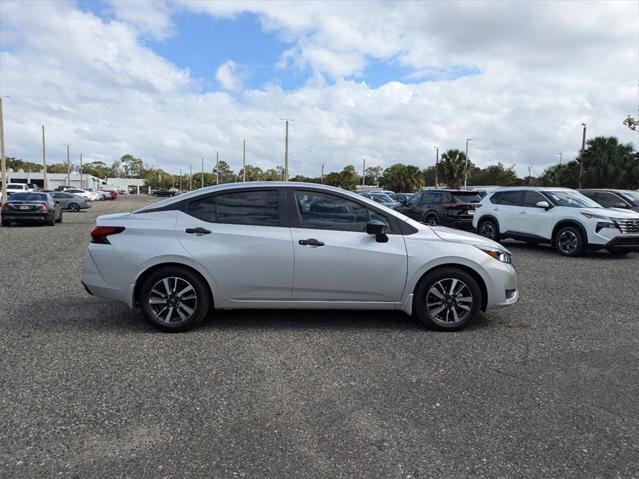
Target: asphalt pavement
547 388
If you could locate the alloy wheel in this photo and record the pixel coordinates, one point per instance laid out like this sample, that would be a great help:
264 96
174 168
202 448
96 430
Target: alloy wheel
568 242
487 230
449 301
172 300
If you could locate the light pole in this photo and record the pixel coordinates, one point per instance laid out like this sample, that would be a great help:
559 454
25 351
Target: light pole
4 160
561 155
436 165
243 161
363 171
583 152
180 180
68 166
81 176
286 149
190 176
202 179
44 162
322 174
466 169
217 172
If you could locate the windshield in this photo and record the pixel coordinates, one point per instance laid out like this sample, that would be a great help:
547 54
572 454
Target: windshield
633 196
470 197
571 199
27 197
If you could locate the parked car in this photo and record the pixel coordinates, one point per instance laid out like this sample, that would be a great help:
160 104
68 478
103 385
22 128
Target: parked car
291 245
113 194
625 199
17 188
78 192
69 201
381 198
443 207
62 188
163 192
403 198
565 218
31 207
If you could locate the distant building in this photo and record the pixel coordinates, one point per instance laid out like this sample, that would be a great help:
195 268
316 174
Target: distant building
130 185
85 182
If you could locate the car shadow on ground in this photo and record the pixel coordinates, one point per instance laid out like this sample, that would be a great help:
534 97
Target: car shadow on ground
550 250
97 314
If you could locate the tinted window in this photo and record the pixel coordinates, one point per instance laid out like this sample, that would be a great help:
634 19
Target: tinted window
330 212
607 200
632 197
531 198
413 200
467 197
512 198
259 208
28 197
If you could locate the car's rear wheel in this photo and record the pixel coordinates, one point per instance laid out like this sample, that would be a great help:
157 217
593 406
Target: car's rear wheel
174 299
59 220
489 229
569 241
447 299
51 221
74 207
431 220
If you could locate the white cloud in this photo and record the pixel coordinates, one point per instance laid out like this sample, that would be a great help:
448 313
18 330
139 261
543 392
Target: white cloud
230 76
545 68
150 17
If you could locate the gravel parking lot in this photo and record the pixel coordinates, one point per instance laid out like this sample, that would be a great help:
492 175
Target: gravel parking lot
547 388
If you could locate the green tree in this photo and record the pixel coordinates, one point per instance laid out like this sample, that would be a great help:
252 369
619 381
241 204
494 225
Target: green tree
224 172
566 175
158 179
274 174
253 173
374 175
98 169
453 167
131 165
492 175
403 178
429 176
609 164
17 164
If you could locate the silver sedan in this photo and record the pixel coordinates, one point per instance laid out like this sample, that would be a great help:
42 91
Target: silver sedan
292 245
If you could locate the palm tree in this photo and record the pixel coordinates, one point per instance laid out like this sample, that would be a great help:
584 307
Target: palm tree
608 163
453 167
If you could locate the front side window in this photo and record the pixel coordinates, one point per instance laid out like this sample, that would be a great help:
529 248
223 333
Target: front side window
608 200
632 197
531 198
330 212
259 208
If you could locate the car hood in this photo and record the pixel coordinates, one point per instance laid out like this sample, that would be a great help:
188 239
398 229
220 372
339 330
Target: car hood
615 213
458 236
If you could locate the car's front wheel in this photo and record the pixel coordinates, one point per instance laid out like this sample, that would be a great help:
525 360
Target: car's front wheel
174 299
74 207
569 241
447 299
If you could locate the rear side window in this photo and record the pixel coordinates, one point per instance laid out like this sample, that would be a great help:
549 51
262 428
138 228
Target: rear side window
259 208
470 197
607 200
508 198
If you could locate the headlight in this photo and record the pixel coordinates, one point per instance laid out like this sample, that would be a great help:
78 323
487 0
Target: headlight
606 224
592 216
498 254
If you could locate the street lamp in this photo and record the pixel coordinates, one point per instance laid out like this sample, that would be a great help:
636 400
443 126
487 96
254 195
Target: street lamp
436 165
286 149
561 155
466 169
4 160
581 159
363 171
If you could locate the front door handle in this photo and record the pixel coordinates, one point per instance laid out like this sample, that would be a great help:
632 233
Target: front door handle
197 231
310 242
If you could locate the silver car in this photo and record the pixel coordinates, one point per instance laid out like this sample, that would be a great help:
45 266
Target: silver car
291 245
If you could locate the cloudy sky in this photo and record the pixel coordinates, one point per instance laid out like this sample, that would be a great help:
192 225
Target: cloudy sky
174 81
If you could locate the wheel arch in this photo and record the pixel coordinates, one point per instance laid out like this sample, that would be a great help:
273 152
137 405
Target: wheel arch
487 216
151 269
467 269
563 223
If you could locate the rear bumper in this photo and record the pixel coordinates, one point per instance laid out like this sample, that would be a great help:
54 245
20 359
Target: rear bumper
462 224
15 216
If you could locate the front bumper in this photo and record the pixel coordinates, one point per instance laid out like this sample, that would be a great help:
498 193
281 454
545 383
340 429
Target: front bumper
626 243
503 288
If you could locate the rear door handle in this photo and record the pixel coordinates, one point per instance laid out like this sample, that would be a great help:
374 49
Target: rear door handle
197 231
310 242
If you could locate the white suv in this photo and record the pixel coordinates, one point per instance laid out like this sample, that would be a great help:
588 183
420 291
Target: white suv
562 217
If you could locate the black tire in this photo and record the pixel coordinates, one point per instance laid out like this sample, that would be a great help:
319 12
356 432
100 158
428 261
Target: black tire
185 277
74 207
425 301
618 252
569 241
488 228
59 220
6 223
431 219
52 221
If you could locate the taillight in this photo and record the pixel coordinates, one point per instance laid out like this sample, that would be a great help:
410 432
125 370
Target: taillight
43 207
452 204
99 234
5 206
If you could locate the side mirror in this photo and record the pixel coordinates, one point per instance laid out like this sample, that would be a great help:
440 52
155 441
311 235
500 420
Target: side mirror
377 228
543 204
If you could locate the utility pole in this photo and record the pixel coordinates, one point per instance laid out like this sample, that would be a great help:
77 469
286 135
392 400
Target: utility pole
217 172
581 160
322 175
436 165
286 149
363 171
190 176
68 167
202 182
81 182
466 169
180 180
561 155
244 161
44 162
4 160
